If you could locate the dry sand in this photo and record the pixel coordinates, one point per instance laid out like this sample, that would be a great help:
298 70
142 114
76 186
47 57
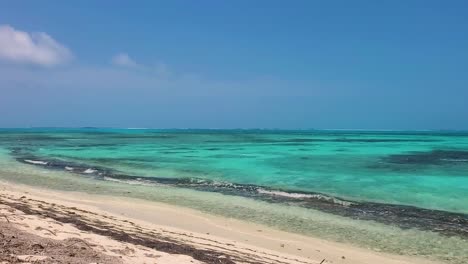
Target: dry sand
67 227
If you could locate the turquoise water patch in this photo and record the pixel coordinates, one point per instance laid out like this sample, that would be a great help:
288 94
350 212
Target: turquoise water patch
270 177
412 168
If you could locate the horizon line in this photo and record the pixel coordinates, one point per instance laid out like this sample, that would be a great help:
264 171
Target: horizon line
270 129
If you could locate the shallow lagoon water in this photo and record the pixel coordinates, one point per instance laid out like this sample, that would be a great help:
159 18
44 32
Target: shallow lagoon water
425 170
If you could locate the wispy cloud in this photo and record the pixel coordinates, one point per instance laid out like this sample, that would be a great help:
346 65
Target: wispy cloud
122 59
31 48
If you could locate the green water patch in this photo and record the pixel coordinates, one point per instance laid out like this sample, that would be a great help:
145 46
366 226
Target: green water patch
369 234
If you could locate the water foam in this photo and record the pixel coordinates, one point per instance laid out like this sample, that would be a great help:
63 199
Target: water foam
138 181
36 162
305 196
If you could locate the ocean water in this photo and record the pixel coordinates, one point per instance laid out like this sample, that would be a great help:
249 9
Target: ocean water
395 191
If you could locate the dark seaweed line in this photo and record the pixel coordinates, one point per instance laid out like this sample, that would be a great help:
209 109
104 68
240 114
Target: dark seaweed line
403 216
159 242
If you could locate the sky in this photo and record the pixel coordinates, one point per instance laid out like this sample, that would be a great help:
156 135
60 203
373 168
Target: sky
234 64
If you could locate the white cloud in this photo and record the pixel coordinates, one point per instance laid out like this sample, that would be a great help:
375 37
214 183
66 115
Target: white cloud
122 59
33 48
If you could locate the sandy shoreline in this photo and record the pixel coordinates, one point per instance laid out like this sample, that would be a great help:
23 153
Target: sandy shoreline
137 231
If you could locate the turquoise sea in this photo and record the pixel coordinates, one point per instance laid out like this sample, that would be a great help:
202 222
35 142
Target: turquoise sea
396 191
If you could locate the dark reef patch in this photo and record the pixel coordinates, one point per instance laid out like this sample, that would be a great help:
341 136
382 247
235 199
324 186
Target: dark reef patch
353 140
302 141
434 157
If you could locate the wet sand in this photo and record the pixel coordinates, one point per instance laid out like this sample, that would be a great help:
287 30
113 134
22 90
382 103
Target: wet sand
124 230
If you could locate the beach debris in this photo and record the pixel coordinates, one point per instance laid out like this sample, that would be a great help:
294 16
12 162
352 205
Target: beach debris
37 246
45 229
31 258
80 241
323 260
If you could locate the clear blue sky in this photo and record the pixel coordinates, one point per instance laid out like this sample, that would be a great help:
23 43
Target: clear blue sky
235 64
